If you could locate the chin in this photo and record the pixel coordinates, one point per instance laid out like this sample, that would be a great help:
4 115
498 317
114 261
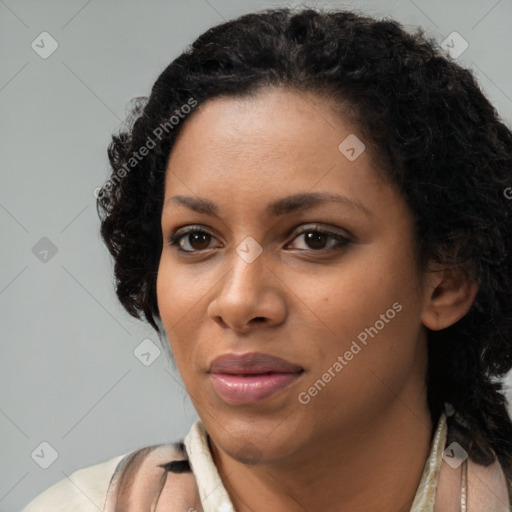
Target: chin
256 442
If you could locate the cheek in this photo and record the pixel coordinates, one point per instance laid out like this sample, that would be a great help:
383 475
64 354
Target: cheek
177 294
370 316
353 294
181 290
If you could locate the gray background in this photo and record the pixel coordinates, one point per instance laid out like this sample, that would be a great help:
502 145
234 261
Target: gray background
69 375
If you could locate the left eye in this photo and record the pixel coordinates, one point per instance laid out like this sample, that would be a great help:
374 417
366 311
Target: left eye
316 239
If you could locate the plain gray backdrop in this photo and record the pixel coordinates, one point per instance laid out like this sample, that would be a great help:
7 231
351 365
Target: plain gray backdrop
70 375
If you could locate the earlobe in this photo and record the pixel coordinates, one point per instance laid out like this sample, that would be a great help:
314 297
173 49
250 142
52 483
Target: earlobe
448 300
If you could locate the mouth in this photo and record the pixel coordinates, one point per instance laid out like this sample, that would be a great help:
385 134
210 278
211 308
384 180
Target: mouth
253 377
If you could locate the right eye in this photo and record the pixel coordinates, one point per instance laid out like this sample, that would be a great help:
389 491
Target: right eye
196 238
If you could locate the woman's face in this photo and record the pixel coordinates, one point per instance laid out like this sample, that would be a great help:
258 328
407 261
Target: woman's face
260 273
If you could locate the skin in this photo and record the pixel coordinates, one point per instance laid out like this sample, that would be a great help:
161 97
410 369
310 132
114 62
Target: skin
361 443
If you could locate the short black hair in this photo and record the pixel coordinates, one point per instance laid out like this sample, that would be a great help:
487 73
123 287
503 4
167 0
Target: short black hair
432 131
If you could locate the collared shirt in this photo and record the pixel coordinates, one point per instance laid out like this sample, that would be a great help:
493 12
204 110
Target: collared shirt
215 498
86 489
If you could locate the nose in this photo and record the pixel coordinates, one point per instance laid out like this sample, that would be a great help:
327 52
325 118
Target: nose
249 296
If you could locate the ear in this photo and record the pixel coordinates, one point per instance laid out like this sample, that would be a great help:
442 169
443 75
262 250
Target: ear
449 295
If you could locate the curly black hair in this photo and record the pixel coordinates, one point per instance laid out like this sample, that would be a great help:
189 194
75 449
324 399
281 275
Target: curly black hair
430 129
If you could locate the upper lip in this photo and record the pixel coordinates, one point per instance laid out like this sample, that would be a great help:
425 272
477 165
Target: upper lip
251 363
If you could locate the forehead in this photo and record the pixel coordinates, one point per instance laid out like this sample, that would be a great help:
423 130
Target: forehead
268 128
270 115
272 144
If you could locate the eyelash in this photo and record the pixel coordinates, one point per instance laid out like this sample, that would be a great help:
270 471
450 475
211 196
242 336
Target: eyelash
176 237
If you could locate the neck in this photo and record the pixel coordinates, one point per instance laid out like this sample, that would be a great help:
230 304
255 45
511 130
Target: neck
373 466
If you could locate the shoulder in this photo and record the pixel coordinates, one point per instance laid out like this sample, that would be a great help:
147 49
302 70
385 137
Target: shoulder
83 491
141 480
134 478
489 487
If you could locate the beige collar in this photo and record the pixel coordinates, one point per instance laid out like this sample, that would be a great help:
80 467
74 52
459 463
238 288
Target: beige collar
426 492
214 497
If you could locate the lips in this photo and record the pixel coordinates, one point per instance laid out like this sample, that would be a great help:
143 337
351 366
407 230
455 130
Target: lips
251 363
252 377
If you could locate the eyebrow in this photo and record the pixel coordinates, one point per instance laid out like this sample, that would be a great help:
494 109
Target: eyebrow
283 206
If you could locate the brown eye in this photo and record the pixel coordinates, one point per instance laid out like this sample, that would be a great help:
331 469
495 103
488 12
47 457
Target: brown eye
316 239
197 239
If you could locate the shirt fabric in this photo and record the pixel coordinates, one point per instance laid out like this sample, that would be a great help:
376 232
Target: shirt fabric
85 490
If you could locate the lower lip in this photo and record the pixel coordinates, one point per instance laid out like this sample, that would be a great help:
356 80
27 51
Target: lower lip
246 389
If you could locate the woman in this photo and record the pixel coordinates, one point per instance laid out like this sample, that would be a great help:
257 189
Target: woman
311 208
